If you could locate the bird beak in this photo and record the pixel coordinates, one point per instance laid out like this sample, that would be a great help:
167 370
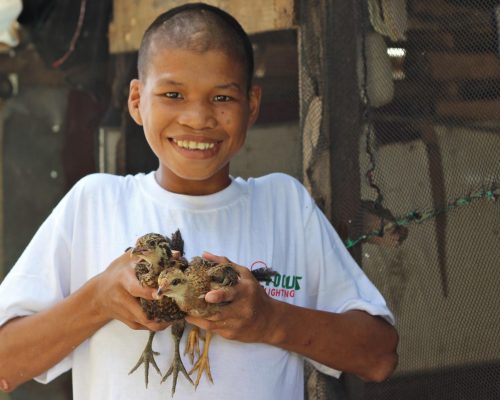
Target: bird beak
159 292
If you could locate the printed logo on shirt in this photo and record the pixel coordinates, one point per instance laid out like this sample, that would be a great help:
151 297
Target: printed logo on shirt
282 286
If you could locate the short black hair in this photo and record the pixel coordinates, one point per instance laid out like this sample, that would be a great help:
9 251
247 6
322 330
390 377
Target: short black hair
199 27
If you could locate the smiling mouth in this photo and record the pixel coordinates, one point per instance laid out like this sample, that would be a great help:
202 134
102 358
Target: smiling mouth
192 145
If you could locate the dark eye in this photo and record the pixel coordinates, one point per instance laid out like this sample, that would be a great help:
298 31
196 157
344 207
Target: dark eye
176 281
173 95
222 98
151 242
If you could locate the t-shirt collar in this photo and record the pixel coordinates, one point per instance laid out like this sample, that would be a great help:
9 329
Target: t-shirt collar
226 196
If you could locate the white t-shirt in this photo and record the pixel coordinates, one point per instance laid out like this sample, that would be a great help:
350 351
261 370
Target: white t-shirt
270 219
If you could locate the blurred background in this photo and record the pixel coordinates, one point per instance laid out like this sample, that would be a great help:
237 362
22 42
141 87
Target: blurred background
387 110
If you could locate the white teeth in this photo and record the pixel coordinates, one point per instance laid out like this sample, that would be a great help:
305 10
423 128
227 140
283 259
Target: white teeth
189 144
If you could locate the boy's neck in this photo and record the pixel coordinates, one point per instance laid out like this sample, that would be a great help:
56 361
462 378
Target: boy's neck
175 184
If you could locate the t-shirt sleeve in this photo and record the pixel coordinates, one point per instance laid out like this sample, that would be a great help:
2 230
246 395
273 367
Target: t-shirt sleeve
338 283
39 279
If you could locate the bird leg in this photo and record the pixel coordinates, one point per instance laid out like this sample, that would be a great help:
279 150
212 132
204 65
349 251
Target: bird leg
147 357
203 363
193 343
177 365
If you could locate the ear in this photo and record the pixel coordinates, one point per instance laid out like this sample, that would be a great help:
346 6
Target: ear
134 97
254 97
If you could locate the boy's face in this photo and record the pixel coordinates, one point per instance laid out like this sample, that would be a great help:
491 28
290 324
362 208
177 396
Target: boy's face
195 110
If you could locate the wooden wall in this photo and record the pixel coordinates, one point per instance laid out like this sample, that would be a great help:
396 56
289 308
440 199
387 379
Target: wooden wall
132 17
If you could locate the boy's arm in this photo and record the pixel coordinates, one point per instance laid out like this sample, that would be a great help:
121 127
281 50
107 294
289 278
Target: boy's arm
354 341
31 345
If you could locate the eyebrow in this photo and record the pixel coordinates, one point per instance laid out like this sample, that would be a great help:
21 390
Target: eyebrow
166 81
230 85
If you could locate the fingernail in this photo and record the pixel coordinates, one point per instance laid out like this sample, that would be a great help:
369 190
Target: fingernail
4 385
176 254
211 297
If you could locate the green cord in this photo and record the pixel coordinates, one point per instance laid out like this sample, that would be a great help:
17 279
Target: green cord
416 217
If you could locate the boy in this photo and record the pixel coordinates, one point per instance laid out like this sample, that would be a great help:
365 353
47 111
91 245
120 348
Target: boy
62 308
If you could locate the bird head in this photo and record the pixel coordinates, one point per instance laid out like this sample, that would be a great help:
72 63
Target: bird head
152 248
173 283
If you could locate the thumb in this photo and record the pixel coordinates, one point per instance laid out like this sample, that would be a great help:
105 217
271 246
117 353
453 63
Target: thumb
219 296
218 259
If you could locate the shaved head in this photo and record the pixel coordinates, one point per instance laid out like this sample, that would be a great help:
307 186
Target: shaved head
197 27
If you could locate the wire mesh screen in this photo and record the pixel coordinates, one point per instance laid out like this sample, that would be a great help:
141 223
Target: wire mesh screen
424 221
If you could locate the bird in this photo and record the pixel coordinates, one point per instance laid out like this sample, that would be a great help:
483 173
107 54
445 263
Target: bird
158 254
187 287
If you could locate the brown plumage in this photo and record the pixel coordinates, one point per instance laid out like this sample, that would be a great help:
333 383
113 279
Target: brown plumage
187 287
182 287
158 254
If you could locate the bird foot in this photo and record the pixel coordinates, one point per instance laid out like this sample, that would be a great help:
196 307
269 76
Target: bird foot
176 367
203 364
193 343
147 358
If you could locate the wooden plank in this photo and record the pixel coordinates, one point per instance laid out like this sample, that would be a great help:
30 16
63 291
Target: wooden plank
132 17
478 110
454 66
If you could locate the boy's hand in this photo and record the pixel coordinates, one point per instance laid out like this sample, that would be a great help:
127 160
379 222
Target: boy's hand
117 295
247 313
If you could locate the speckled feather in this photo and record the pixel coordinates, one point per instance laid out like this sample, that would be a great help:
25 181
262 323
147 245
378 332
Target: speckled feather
147 273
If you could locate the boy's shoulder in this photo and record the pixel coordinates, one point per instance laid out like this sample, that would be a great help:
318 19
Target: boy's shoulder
104 180
278 182
281 186
102 184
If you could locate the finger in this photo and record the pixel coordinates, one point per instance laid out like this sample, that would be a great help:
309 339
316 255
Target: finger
225 295
224 328
129 257
130 309
149 326
133 325
218 259
137 315
199 322
156 326
216 317
243 271
144 292
134 287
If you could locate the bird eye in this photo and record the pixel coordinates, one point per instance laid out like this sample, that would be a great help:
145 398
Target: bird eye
176 281
151 242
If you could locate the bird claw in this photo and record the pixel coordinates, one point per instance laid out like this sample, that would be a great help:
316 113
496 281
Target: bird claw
176 367
147 358
203 364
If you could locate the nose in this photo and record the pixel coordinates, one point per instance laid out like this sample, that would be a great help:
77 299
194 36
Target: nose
198 115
